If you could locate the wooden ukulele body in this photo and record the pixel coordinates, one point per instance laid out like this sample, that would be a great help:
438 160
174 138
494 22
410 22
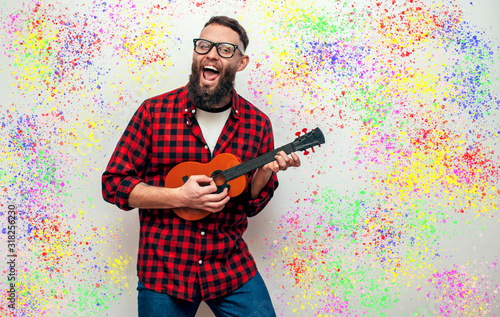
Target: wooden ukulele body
180 173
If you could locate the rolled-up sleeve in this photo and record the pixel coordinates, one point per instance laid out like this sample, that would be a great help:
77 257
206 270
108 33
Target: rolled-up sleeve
127 165
254 206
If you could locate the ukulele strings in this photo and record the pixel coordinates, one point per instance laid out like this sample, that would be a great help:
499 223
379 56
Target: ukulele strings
243 168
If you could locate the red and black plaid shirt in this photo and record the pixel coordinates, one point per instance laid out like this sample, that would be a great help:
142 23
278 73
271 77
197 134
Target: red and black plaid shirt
175 255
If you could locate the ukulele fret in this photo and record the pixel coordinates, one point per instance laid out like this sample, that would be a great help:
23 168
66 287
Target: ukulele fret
243 168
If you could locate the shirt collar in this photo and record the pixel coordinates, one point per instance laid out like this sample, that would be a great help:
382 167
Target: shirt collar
236 105
190 107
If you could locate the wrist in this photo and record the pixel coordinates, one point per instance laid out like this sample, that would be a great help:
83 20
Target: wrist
175 198
263 172
259 180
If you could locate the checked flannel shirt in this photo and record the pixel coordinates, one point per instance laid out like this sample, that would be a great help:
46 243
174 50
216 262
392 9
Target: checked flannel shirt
175 255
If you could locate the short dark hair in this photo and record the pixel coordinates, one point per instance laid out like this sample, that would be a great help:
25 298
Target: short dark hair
230 23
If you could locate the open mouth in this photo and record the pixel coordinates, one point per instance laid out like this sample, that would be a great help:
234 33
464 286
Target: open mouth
210 73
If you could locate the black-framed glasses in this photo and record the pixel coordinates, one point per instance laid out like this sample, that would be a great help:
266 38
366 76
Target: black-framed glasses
225 50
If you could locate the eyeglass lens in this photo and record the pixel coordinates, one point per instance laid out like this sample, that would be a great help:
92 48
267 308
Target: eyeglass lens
224 49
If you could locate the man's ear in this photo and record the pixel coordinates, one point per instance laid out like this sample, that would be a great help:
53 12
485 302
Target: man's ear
243 63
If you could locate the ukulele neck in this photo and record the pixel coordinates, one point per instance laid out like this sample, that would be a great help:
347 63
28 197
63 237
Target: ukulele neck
250 165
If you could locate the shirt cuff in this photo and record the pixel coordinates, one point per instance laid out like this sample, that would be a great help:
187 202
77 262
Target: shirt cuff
123 191
256 205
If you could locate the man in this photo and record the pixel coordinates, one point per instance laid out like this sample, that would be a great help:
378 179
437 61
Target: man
180 262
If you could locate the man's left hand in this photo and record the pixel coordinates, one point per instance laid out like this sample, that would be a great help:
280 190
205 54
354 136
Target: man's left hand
262 174
282 162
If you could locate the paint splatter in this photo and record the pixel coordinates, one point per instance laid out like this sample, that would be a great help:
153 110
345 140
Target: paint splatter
385 218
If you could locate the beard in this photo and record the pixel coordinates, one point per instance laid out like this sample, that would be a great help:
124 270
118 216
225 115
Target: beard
205 98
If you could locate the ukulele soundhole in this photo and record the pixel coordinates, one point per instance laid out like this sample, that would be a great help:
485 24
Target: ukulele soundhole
220 180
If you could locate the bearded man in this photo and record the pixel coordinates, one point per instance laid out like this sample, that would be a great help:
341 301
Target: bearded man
181 262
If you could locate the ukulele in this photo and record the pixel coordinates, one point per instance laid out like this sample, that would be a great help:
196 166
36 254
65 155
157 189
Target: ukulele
227 170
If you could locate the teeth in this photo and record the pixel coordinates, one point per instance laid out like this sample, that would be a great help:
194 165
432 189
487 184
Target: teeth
211 68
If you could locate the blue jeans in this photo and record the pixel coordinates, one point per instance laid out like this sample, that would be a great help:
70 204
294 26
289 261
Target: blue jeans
250 300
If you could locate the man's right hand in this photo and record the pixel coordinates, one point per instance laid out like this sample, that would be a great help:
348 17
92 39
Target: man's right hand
199 193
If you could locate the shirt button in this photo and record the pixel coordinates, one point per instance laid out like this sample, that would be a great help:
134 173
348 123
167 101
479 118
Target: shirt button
202 233
186 110
187 122
193 111
200 261
206 147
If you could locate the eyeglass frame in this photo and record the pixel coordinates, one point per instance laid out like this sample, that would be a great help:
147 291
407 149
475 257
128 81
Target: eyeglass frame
212 44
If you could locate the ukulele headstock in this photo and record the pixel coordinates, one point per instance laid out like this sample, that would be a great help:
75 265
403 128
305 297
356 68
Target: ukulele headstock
308 140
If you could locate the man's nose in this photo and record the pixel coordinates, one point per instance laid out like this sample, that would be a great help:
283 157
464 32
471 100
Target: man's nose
213 52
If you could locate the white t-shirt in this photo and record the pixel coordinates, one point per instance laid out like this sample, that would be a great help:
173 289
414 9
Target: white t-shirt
211 124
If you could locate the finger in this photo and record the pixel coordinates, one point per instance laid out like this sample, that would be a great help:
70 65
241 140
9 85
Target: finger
282 165
295 160
208 189
201 178
201 184
206 184
274 166
218 206
212 196
283 155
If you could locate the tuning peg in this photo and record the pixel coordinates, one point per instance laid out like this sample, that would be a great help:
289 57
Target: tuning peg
304 130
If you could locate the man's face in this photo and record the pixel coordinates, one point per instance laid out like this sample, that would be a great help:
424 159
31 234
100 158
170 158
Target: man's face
212 76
